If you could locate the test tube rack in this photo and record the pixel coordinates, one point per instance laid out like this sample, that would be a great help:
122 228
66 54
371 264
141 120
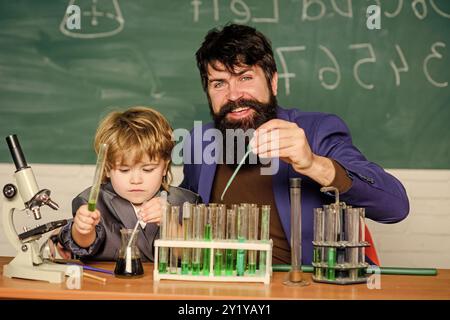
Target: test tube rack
339 243
342 271
258 245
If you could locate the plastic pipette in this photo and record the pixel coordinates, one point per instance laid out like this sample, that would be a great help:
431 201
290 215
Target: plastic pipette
235 173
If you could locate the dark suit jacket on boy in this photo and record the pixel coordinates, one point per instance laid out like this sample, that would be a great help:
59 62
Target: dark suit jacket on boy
117 213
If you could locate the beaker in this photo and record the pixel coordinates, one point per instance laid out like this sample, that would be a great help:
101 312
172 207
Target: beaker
129 264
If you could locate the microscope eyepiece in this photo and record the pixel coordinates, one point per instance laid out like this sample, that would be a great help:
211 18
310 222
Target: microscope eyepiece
16 152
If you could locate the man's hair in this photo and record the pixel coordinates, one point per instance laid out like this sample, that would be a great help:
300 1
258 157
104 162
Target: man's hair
135 132
235 45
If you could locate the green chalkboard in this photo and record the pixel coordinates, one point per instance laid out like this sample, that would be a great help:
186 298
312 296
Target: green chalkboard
390 85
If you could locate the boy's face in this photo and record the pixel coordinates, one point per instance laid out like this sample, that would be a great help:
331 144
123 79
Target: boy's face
138 182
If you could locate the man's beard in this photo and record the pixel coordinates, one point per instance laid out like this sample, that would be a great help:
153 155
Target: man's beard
263 112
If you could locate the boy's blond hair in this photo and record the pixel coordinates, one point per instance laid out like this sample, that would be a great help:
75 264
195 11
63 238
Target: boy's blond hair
135 132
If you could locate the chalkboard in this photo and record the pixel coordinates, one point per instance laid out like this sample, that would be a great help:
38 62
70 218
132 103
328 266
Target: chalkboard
390 85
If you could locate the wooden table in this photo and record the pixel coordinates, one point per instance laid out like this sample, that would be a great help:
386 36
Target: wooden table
392 287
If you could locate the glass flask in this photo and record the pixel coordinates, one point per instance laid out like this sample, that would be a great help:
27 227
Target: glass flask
129 264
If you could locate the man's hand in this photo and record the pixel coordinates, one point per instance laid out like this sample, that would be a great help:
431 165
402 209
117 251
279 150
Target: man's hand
286 140
151 211
85 221
283 139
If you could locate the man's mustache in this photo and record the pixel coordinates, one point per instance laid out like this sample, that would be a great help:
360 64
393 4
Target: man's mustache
241 103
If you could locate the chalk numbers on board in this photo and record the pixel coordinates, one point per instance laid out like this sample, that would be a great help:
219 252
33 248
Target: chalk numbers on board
329 76
434 55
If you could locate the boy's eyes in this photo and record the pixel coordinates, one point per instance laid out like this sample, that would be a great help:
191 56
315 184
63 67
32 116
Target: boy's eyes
125 170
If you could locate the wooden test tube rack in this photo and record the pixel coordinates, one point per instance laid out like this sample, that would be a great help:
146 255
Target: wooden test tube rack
257 245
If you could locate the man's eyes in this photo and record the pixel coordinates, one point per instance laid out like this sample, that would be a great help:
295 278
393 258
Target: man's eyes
246 78
217 84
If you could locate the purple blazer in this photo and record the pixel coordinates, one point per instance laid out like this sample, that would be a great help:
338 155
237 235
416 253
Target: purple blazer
383 196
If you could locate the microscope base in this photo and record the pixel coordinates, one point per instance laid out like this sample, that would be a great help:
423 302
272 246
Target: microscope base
22 267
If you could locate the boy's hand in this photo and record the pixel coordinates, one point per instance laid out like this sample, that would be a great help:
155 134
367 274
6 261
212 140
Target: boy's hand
151 211
85 220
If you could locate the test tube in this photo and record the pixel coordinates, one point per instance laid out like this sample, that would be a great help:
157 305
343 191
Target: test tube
187 235
231 235
174 222
163 233
265 223
331 238
253 220
242 237
340 252
318 238
352 232
197 234
296 274
362 238
207 236
219 234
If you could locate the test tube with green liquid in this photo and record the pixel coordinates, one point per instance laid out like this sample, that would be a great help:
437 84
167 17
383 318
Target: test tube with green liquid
231 235
352 233
265 223
242 237
174 222
362 238
218 234
235 208
207 236
187 235
197 234
331 214
253 220
318 238
99 167
163 232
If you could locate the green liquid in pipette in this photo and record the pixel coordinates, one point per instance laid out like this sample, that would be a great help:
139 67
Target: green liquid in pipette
229 262
196 268
162 267
91 206
252 268
218 263
206 251
331 273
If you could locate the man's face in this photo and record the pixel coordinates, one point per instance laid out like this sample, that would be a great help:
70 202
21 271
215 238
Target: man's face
242 99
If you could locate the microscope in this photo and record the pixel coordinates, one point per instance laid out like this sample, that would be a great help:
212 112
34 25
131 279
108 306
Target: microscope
25 198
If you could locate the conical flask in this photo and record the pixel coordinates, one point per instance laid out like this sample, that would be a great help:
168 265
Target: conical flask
129 263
